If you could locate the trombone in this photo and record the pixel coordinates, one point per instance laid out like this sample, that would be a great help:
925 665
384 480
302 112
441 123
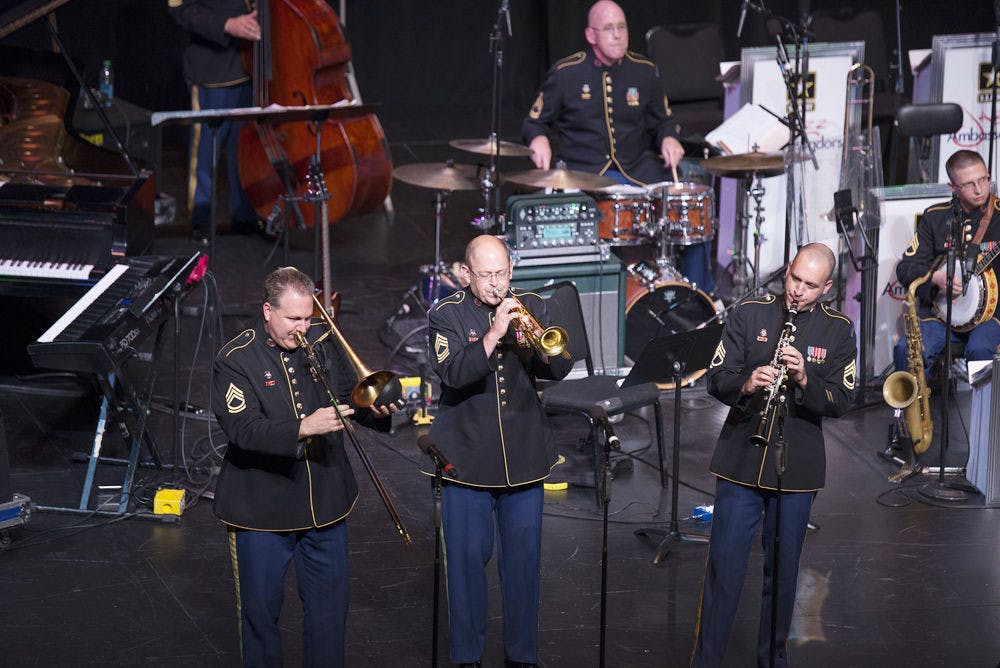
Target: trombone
378 388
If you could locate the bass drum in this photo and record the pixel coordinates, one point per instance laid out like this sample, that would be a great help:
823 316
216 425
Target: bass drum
660 309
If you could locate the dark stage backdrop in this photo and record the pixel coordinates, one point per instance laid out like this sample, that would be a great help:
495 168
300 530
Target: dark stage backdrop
432 57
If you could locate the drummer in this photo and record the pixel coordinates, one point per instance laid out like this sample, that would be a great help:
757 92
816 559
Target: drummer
611 136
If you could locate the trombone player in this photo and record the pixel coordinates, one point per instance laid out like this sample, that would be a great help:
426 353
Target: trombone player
491 428
286 485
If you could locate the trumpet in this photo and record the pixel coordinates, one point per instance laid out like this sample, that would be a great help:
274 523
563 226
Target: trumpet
552 341
760 438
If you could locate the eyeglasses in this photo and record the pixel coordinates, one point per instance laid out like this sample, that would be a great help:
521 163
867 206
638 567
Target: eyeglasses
491 275
612 27
981 181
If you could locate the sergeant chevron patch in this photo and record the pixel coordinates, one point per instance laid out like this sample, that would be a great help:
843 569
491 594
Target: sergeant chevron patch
720 355
235 401
850 371
441 347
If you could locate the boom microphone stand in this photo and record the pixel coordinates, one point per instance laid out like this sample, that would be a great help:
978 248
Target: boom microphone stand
780 463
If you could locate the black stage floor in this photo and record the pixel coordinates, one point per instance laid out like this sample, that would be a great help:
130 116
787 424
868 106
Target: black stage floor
887 577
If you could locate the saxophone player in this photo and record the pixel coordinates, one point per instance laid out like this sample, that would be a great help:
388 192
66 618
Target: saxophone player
820 368
979 213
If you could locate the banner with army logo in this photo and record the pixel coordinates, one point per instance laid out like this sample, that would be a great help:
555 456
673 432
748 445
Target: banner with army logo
961 72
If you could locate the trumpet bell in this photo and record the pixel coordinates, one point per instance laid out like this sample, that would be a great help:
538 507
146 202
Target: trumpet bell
899 389
553 341
378 389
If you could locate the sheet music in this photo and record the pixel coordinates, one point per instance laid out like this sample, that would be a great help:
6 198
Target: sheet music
748 126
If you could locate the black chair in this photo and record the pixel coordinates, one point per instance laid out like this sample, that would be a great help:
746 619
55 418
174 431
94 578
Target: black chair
919 123
687 58
579 395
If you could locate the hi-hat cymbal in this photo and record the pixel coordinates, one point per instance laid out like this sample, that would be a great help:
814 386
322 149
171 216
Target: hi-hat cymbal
489 146
746 164
560 179
439 176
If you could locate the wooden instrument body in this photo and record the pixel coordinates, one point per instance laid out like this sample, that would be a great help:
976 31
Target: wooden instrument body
309 55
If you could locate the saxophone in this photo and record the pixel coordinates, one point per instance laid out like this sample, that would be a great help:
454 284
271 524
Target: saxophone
908 389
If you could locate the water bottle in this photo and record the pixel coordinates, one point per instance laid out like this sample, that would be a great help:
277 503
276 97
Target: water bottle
106 84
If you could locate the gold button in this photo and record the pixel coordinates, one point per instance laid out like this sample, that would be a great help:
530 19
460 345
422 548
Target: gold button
309 439
607 78
501 379
500 367
295 381
608 89
499 356
302 416
296 393
503 403
299 406
291 369
503 391
611 109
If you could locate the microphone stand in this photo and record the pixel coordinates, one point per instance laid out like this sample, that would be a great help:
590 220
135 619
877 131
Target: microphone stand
941 490
491 180
606 501
437 561
780 463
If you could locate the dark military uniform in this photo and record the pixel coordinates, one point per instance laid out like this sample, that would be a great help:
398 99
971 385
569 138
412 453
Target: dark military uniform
605 117
928 245
746 477
213 68
610 118
492 428
283 497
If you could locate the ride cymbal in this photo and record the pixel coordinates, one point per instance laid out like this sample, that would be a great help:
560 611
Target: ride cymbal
439 176
746 164
488 147
560 179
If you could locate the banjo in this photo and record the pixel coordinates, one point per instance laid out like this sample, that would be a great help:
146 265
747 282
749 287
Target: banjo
979 302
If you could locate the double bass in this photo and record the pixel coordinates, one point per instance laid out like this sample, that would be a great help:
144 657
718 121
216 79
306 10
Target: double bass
302 59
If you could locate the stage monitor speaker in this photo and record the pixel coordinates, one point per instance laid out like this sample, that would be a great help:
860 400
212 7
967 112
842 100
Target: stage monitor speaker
601 284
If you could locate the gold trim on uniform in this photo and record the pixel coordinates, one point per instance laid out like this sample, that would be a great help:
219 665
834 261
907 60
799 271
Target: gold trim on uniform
236 402
850 371
441 347
720 355
536 108
912 248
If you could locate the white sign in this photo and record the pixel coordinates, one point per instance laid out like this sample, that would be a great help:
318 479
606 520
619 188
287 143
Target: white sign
825 91
962 74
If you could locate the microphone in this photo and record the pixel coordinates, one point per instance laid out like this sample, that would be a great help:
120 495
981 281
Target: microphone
600 417
426 444
958 238
744 6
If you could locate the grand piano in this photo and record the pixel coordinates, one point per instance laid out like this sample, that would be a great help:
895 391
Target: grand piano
69 210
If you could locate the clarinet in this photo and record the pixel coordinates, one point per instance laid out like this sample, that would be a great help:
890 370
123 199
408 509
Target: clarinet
774 390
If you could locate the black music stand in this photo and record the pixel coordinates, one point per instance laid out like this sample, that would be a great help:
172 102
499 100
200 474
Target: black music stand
667 356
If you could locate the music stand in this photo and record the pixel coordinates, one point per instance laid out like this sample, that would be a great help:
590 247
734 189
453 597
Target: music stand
672 356
275 113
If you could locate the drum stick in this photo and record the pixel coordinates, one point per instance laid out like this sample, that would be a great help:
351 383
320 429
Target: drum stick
673 168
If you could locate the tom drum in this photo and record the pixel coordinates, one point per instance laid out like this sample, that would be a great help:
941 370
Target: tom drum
626 215
684 211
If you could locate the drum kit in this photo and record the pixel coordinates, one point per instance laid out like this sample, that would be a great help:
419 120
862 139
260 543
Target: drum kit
669 216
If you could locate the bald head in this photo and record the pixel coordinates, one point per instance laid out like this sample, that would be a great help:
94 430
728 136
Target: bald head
487 268
602 10
819 254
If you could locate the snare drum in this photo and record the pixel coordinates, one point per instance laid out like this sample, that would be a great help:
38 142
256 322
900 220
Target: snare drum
684 210
659 302
626 214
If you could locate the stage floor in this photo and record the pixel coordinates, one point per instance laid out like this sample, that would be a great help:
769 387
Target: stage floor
887 577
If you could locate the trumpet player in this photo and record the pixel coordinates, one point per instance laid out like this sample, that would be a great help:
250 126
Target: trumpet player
819 365
286 485
492 429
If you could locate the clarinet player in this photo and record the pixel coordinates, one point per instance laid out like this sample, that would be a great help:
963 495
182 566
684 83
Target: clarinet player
820 368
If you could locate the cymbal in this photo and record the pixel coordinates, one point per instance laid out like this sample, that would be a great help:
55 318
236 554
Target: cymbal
488 147
560 179
746 164
439 176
